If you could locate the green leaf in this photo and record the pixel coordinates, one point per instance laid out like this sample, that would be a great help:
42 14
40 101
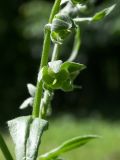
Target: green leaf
100 15
73 69
67 146
97 17
5 149
26 134
72 66
31 89
75 143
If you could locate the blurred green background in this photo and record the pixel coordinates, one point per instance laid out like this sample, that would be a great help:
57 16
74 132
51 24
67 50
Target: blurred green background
21 37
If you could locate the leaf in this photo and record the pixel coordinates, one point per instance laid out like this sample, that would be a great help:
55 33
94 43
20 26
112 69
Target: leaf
97 17
73 69
100 15
19 130
28 102
36 129
72 66
26 133
75 143
5 149
67 146
31 89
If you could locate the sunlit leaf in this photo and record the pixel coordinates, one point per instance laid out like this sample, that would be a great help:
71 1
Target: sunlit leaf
19 130
26 134
67 146
36 129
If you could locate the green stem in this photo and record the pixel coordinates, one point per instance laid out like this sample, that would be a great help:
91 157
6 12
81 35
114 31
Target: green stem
47 97
55 10
76 46
4 149
44 60
79 20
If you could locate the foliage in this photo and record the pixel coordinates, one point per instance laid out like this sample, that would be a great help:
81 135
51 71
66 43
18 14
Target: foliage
26 131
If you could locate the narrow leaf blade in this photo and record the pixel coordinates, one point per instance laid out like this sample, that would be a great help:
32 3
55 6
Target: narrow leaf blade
19 128
36 129
68 146
100 15
75 143
5 149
